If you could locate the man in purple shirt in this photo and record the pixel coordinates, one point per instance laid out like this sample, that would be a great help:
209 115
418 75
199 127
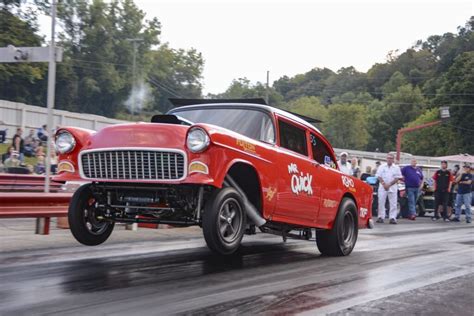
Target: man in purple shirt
413 182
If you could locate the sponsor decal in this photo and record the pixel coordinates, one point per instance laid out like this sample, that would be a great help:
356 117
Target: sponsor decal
198 167
363 212
329 203
270 193
327 160
246 146
299 181
348 183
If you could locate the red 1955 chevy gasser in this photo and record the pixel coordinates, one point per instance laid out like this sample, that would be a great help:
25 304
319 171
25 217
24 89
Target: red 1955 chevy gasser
227 167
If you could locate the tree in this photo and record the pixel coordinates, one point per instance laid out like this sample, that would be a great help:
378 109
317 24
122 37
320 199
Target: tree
438 140
386 118
309 106
242 88
396 81
457 91
346 126
99 53
20 82
174 73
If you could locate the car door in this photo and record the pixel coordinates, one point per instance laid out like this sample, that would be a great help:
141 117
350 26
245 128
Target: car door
297 196
328 179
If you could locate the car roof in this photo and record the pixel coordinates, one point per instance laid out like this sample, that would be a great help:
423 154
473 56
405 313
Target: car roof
252 106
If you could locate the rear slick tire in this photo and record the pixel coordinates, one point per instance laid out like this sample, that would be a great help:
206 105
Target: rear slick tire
341 238
83 221
223 221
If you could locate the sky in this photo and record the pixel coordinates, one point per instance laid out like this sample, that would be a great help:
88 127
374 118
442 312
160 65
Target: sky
248 37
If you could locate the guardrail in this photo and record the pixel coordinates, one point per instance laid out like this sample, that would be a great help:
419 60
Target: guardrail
41 206
25 183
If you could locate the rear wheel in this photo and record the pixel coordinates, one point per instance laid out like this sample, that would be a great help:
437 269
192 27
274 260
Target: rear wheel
223 221
341 239
85 220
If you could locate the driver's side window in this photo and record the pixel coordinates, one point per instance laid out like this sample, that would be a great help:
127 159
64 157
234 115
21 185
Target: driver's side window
321 152
293 138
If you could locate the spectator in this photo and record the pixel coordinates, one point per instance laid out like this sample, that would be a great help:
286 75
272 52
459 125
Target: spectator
19 144
12 161
377 165
40 151
464 181
355 170
43 133
7 155
367 173
30 144
413 183
443 180
54 160
388 175
454 190
40 167
344 166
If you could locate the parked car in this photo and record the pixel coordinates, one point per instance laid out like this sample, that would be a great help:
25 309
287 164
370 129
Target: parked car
227 167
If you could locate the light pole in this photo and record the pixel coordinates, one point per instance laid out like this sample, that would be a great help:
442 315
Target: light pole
444 114
51 91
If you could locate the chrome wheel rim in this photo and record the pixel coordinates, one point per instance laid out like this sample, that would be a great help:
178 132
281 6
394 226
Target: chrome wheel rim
229 221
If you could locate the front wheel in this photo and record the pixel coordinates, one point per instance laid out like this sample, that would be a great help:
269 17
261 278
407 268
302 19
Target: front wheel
341 238
223 222
85 220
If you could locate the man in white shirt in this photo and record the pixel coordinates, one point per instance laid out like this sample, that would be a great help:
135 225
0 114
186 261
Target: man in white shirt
388 175
344 165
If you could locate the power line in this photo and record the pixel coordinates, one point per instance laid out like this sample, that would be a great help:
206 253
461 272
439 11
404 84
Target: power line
164 85
383 93
158 85
96 68
99 62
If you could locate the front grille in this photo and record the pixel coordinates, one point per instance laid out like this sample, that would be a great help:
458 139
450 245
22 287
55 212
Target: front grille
132 164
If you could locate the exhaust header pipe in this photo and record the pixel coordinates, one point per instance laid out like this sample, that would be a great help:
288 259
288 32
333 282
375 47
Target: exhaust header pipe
250 209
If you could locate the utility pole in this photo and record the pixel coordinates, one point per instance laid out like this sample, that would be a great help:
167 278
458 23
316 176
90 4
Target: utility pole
135 42
51 91
51 55
267 94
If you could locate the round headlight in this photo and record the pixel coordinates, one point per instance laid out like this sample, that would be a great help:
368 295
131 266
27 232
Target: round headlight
65 142
197 140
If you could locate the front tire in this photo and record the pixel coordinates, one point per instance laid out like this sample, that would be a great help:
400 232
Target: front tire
223 222
84 223
341 239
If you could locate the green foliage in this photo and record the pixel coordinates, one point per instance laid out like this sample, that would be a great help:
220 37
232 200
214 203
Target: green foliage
458 89
346 126
396 81
359 110
311 107
21 82
432 141
242 88
174 73
96 75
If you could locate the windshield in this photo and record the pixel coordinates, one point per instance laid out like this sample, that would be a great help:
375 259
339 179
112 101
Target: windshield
251 123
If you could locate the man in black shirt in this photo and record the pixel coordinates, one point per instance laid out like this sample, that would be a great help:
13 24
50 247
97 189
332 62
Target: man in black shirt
443 181
464 181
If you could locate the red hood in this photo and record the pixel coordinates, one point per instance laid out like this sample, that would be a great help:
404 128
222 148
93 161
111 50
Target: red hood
139 135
